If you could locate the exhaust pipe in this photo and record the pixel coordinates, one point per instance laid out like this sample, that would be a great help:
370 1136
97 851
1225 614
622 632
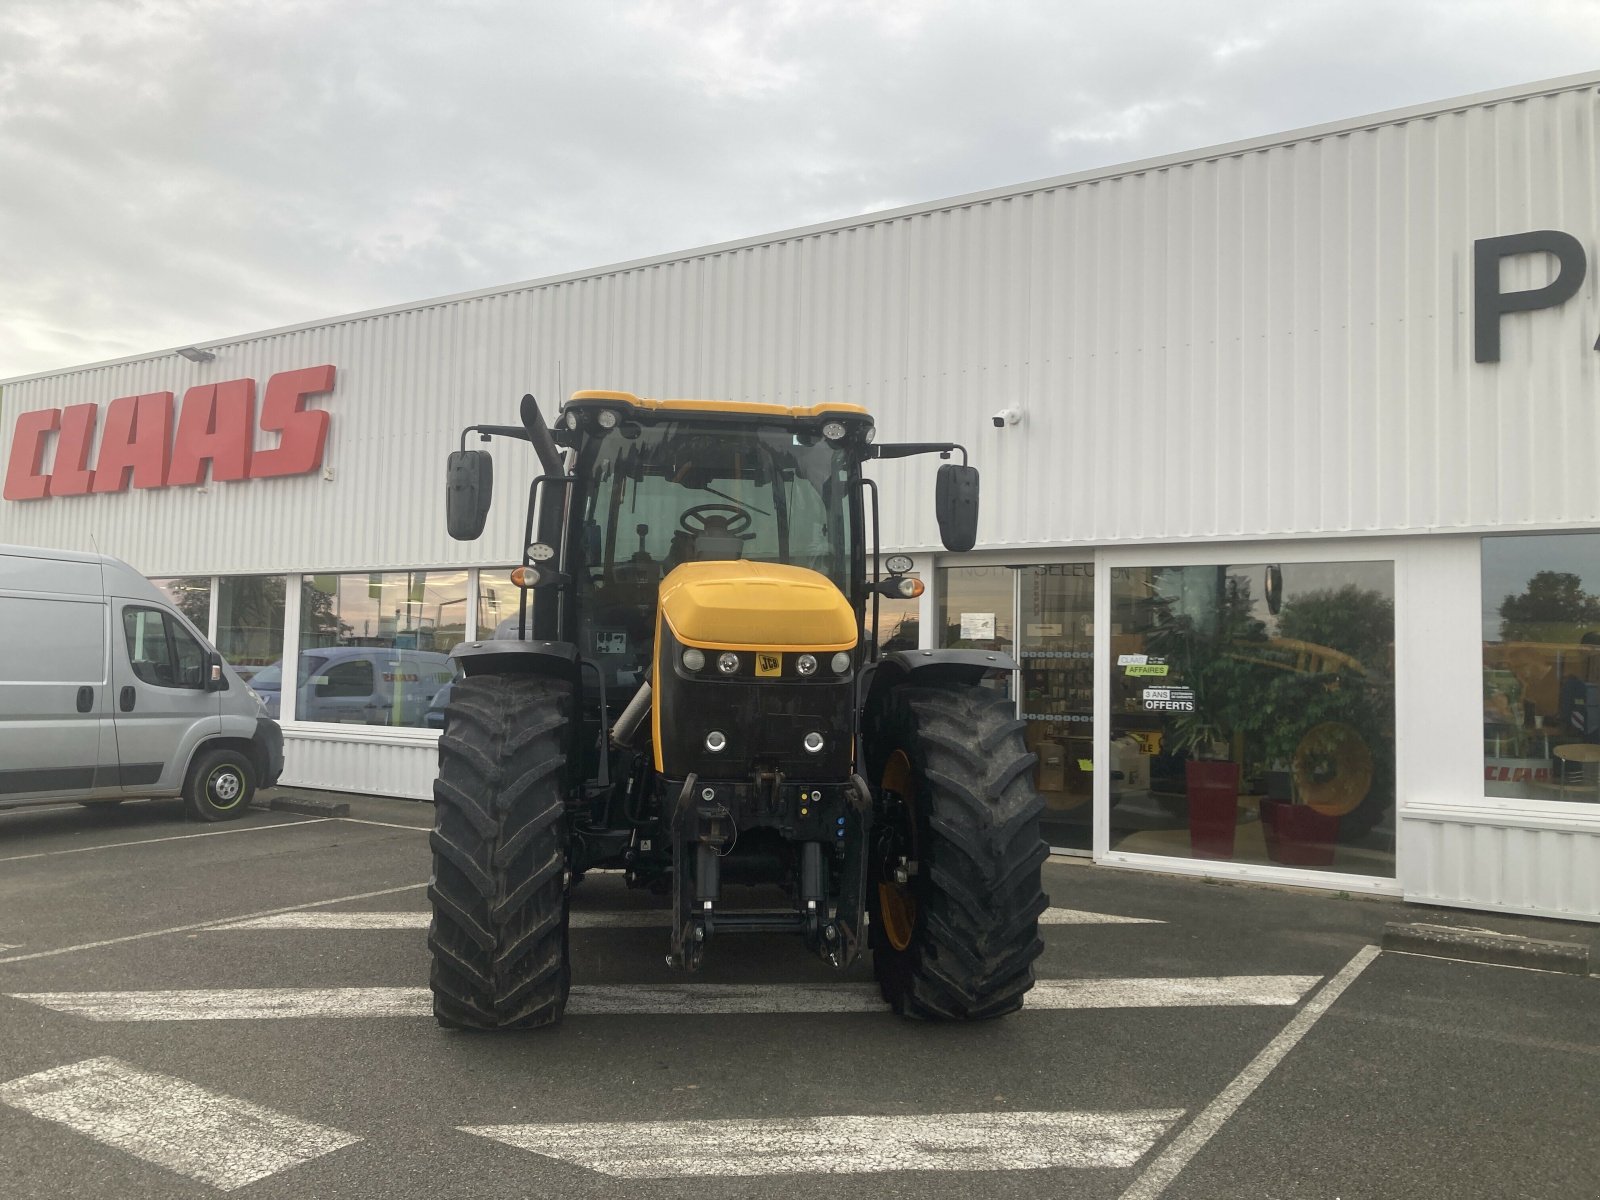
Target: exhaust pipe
626 730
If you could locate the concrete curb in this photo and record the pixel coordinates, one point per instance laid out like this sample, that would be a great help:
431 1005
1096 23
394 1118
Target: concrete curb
310 808
1487 946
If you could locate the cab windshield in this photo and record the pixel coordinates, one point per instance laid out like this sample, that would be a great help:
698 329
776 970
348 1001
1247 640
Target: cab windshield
675 492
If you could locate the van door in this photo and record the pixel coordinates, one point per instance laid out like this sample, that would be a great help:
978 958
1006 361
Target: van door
162 707
56 739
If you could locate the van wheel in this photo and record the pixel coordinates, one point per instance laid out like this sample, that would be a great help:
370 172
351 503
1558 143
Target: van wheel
220 785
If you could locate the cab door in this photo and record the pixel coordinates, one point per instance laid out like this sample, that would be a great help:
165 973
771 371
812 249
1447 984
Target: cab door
163 709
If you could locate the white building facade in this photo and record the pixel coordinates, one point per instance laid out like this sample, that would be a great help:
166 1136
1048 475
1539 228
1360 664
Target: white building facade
1288 454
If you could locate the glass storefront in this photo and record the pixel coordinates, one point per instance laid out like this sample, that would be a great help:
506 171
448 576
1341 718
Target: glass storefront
190 595
1541 667
250 621
976 606
374 648
1056 655
1252 714
899 625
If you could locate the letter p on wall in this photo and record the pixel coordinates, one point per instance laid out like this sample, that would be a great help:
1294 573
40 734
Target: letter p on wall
1489 303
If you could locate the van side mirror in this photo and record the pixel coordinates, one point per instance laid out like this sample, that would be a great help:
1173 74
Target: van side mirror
955 503
216 677
469 485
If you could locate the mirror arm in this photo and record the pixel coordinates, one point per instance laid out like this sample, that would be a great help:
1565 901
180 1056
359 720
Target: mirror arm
907 449
488 431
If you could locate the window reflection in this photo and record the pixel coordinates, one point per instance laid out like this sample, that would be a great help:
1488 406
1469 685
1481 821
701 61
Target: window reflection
249 621
1541 667
1253 713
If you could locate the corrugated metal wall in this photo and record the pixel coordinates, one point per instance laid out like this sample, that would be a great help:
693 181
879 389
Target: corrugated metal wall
1274 339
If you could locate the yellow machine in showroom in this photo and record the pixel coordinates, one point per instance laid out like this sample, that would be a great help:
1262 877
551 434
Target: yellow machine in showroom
690 695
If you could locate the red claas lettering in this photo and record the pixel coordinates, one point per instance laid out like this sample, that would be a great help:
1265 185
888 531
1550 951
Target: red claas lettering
141 443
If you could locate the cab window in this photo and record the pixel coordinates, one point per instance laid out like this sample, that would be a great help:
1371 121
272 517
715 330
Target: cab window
347 679
161 651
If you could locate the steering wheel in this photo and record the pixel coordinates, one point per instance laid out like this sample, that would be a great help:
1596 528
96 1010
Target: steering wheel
733 518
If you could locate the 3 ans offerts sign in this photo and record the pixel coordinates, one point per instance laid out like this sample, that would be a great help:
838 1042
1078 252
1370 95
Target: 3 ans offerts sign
149 442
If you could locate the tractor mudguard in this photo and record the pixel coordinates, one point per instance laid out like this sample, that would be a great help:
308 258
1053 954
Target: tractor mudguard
508 656
937 666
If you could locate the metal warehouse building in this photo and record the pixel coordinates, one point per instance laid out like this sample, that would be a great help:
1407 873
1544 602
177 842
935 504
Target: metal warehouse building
1291 462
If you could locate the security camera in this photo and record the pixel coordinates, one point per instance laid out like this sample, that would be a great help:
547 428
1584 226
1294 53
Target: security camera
1006 416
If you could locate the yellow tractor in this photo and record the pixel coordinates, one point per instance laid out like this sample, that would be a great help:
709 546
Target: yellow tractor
690 694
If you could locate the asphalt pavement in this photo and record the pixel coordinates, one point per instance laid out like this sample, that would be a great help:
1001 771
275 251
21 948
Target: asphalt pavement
187 1009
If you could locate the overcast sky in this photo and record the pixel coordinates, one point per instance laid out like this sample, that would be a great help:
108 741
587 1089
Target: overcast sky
178 171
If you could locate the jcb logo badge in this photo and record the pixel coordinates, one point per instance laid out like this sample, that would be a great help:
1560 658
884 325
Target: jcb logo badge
769 664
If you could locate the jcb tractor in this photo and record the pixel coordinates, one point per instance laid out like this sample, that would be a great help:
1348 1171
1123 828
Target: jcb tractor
691 696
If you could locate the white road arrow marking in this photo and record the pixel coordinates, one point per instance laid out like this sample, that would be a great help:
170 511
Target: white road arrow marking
205 1135
1010 1141
626 999
644 918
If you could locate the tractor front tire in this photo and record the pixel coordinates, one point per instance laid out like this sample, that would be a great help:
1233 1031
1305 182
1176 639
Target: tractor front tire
499 887
956 939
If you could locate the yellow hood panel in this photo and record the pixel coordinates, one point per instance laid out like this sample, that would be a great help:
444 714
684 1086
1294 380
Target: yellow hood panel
733 605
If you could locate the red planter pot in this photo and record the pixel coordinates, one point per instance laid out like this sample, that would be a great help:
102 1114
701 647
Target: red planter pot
1298 835
1213 791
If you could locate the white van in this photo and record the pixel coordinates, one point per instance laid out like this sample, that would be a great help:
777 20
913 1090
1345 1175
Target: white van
108 693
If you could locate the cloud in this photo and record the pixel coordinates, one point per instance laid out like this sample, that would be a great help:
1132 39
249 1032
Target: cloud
182 170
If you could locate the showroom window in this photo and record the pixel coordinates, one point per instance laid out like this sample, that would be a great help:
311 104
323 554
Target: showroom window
1541 667
249 621
975 611
190 595
497 603
1252 714
1056 654
374 648
899 621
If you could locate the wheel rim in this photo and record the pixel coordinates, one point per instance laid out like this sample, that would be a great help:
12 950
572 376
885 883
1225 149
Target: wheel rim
897 907
225 787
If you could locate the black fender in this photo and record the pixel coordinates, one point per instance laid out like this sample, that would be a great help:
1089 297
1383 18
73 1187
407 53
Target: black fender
920 667
509 656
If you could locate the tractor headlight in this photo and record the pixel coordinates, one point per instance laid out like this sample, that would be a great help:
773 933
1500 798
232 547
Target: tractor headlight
693 660
727 662
833 430
806 664
898 564
841 662
813 743
606 419
716 741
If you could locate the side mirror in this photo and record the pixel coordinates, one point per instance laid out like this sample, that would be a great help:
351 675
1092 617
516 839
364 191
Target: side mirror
955 503
216 677
469 485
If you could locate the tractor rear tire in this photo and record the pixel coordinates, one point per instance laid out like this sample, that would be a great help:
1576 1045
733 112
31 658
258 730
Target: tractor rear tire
967 921
499 887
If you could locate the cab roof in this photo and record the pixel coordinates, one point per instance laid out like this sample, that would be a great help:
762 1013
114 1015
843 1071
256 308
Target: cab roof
732 408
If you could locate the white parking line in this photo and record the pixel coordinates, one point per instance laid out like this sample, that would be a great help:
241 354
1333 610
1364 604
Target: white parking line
587 1000
154 933
172 1123
1073 916
177 837
1004 1141
1165 1167
644 918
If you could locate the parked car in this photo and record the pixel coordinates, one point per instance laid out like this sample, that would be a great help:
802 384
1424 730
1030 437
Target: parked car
108 693
359 685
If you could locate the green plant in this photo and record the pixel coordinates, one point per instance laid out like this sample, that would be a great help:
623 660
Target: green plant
1211 655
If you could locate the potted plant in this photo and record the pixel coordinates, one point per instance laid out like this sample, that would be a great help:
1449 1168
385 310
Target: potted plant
1210 659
